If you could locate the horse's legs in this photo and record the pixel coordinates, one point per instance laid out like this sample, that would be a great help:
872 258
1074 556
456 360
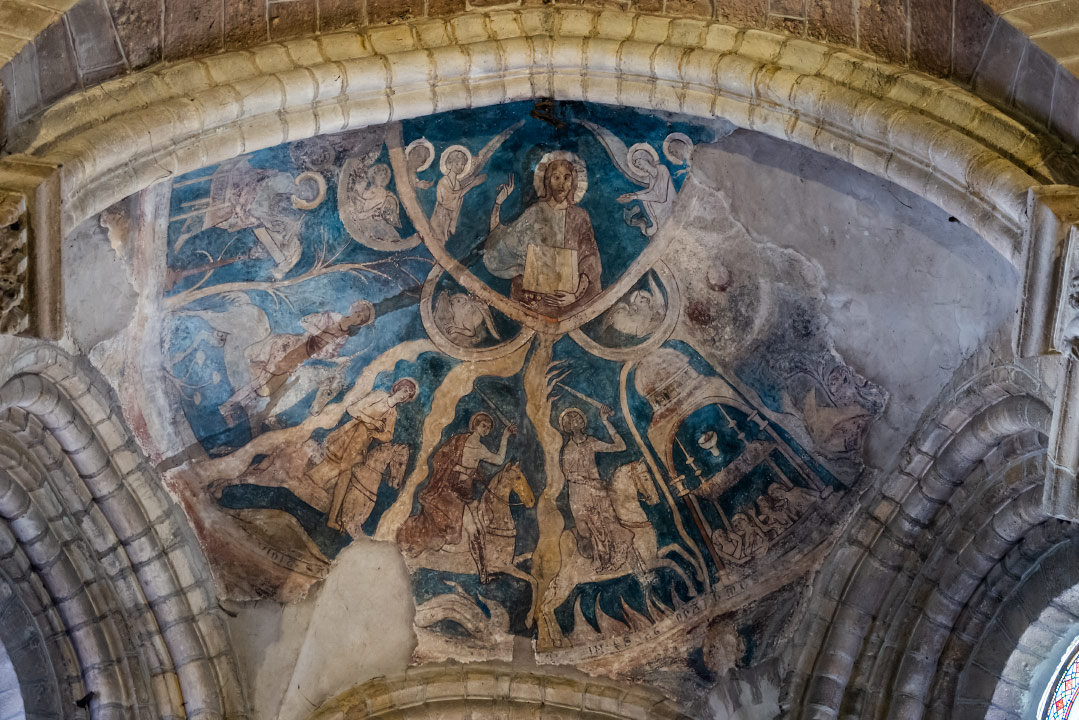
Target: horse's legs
532 583
677 569
475 537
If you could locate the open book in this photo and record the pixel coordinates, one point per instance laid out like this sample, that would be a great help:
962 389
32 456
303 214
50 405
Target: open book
550 269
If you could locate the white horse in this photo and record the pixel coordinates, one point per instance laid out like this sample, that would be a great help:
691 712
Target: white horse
627 483
490 534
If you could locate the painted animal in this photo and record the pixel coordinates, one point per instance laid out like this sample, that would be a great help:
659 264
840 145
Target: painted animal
627 483
490 534
327 378
236 328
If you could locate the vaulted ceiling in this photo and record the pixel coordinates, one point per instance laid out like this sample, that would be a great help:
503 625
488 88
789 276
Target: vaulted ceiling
688 358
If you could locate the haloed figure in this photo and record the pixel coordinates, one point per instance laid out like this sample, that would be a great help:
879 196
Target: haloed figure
549 252
457 180
355 464
657 198
455 476
589 496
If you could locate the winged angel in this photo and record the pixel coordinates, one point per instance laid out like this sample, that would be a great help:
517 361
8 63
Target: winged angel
368 209
641 165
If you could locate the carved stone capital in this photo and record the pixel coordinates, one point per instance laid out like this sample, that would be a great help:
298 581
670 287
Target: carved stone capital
1049 304
30 281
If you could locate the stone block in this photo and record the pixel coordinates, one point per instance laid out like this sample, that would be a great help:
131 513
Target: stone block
292 18
190 28
973 25
138 26
1034 87
788 26
693 8
96 45
339 14
245 23
832 21
56 60
25 85
994 77
388 11
439 8
931 36
1064 120
882 28
742 13
787 8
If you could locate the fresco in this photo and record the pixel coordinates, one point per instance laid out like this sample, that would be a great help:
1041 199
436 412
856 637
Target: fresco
526 346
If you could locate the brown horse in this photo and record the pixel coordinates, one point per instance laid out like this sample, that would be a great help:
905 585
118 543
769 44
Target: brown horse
490 534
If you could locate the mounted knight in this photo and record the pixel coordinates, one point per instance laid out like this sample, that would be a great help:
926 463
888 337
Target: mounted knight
455 476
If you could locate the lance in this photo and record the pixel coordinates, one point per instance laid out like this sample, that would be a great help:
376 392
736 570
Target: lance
695 511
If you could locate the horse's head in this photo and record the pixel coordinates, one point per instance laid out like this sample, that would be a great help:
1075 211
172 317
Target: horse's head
519 485
642 479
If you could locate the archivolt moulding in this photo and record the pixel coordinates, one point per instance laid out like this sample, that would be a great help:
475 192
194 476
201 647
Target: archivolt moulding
78 501
895 534
495 692
926 135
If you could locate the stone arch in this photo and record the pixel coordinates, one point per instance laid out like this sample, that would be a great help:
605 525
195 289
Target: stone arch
849 643
94 535
925 135
959 563
493 690
27 671
1018 655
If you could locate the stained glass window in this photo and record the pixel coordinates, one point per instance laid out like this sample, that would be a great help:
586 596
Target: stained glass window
1062 703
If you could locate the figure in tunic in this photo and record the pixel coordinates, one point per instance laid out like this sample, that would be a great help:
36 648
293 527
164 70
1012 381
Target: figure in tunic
274 359
549 252
419 155
350 464
460 174
657 199
455 475
450 192
598 526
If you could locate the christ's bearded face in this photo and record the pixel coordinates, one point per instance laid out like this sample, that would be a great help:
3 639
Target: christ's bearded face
560 181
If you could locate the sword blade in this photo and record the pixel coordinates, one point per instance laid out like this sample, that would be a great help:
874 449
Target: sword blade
493 406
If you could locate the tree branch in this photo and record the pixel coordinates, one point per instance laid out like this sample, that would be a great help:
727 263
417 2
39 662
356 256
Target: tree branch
189 296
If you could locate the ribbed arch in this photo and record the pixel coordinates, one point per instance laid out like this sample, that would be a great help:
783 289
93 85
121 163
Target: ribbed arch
927 540
926 135
94 540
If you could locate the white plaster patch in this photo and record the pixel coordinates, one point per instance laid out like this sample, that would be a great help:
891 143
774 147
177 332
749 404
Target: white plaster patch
357 625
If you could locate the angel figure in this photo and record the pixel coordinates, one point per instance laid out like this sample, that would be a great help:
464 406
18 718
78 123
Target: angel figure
678 149
419 155
466 321
460 173
369 211
641 165
270 202
638 313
